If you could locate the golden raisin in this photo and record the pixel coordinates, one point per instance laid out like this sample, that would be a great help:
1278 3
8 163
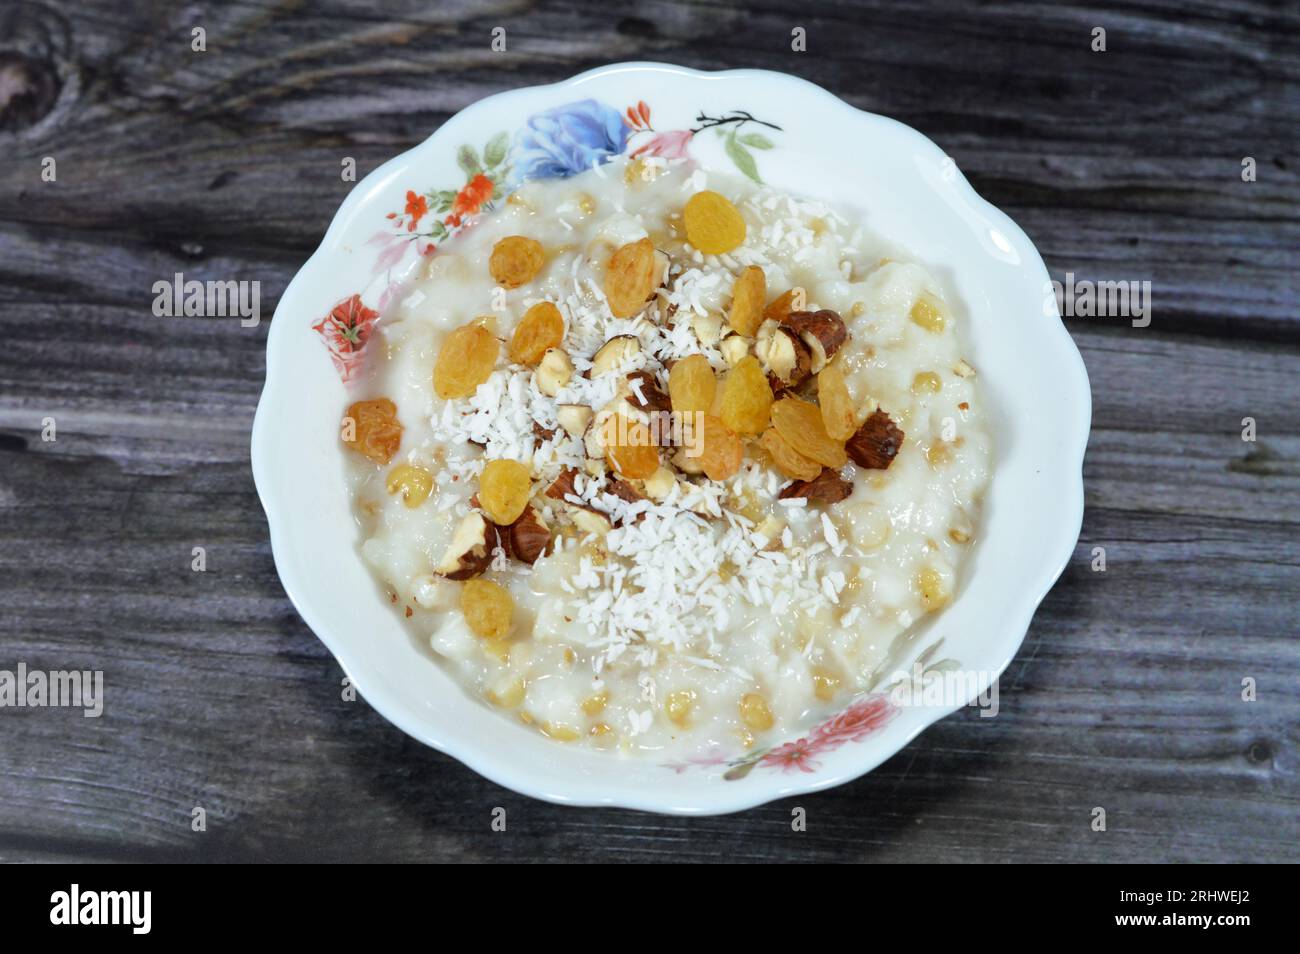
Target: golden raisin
747 297
541 329
375 432
465 361
825 683
629 447
836 404
692 385
678 706
787 460
630 278
926 381
487 607
503 490
800 423
720 451
783 305
713 224
934 594
414 484
746 397
516 260
929 312
755 712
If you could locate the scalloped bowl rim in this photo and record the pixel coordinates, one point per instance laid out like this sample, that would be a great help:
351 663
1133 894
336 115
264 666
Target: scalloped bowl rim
495 763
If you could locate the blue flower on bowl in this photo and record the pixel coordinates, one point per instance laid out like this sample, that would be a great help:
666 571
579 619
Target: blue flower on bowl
567 140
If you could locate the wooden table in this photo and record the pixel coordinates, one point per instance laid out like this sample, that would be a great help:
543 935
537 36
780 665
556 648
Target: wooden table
224 164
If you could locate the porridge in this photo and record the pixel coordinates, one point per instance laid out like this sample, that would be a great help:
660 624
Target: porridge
655 458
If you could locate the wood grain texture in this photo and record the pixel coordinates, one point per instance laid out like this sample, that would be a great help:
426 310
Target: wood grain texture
225 165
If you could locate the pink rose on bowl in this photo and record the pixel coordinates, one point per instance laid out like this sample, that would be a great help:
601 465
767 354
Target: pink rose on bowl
858 721
669 145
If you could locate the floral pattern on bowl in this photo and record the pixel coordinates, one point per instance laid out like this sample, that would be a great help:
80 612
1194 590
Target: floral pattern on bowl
552 144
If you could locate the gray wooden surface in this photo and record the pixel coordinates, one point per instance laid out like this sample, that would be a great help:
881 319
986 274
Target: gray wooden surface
225 165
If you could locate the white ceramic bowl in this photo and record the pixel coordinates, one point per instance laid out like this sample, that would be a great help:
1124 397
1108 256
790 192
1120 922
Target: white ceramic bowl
904 188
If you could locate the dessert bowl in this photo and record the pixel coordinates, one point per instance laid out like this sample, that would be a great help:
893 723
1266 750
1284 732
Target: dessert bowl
900 185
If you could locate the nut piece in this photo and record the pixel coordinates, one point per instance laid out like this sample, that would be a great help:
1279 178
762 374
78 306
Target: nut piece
613 354
686 462
654 397
528 537
590 521
554 372
963 370
822 331
574 418
563 485
876 443
470 550
828 487
787 360
660 484
707 328
733 348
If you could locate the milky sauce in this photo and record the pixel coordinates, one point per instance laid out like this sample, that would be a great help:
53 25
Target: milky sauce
648 637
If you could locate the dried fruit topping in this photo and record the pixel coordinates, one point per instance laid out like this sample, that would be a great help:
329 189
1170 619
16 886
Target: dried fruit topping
563 485
786 357
554 372
782 305
720 453
838 415
755 712
746 398
646 394
528 538
413 483
926 382
374 431
787 460
930 313
465 361
747 298
613 354
630 277
487 607
800 423
828 487
516 260
541 329
470 550
628 447
503 490
822 331
713 224
876 443
692 385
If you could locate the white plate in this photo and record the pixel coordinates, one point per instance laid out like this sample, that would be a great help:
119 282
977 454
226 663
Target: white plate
904 188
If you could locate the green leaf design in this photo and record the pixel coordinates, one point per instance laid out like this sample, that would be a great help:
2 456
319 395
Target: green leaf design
742 158
494 153
468 160
756 141
742 768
